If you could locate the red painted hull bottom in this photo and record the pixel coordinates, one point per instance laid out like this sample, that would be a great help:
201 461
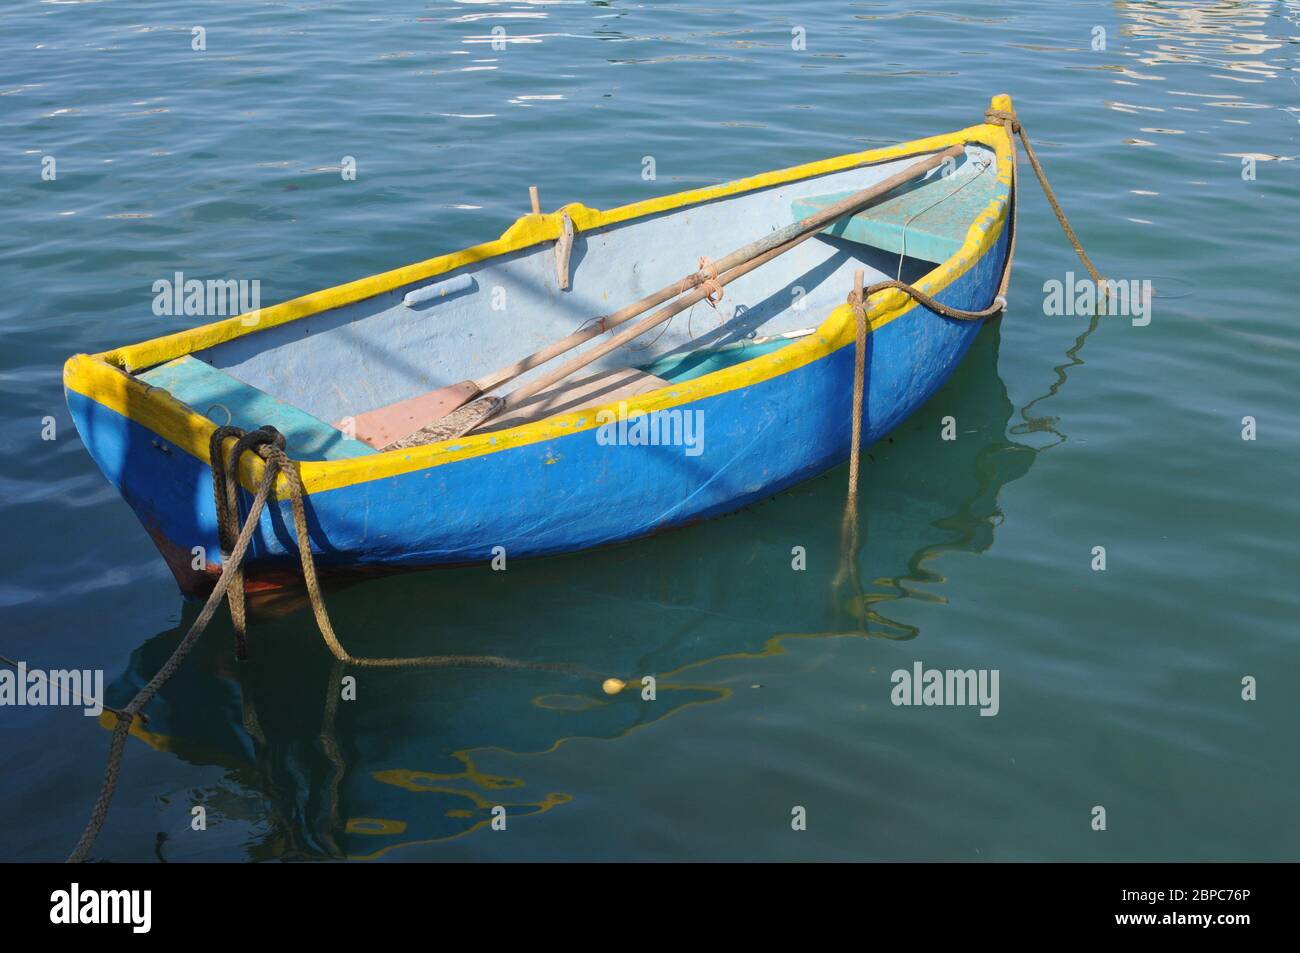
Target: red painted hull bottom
199 583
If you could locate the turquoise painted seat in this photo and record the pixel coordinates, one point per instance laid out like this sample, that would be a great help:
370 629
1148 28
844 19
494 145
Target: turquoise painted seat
928 222
212 392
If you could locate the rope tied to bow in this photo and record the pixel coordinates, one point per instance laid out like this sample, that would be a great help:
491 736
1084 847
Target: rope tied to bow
123 726
225 491
269 444
859 303
1008 119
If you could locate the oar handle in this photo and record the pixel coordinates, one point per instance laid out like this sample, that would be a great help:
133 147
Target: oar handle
805 226
733 266
845 206
598 327
525 391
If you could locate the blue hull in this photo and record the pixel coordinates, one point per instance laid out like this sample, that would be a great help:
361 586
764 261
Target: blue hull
563 494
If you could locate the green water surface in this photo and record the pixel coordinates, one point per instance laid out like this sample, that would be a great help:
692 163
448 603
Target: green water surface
1119 688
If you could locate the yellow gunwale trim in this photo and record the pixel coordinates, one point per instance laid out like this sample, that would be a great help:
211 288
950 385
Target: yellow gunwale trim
103 377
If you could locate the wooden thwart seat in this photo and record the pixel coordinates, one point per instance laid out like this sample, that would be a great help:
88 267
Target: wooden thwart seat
223 399
928 222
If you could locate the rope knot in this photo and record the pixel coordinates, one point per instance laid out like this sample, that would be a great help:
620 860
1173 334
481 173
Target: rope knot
269 444
1002 117
712 287
857 301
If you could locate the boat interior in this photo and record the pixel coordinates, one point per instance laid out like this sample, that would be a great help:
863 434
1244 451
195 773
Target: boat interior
309 377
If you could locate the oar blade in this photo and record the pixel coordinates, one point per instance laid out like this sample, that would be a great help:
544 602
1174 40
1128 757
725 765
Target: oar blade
384 426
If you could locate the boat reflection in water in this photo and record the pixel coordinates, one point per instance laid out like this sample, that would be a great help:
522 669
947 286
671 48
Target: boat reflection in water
396 766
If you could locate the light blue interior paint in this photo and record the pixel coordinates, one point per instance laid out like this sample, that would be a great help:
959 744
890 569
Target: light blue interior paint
761 438
223 399
929 222
374 352
438 290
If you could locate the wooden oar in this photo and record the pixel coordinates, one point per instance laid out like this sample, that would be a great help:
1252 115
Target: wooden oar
398 421
804 229
525 391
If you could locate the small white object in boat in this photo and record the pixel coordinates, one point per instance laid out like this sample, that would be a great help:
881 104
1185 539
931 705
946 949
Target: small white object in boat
439 289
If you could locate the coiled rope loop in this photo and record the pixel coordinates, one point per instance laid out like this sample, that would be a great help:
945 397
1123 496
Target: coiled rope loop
225 491
270 445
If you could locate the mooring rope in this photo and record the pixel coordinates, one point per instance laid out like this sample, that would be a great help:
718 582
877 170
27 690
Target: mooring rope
225 492
849 525
52 686
1001 117
860 304
123 726
269 444
1007 118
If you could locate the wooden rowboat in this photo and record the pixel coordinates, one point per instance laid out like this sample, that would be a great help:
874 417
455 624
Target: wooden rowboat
712 410
274 732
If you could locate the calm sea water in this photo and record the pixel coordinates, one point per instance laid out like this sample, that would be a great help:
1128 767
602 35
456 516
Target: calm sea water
1120 689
